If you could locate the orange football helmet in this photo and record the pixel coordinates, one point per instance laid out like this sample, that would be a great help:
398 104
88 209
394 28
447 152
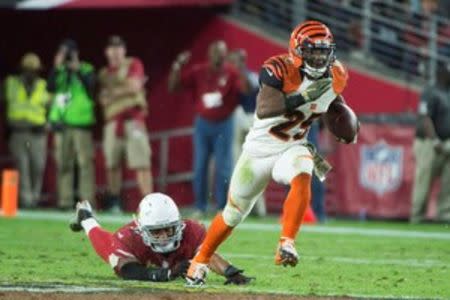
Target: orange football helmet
312 47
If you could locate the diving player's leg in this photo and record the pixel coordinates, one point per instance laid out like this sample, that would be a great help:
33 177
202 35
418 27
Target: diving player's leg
294 167
248 181
101 240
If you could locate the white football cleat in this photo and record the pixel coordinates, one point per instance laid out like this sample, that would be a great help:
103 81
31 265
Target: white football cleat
286 254
196 274
83 211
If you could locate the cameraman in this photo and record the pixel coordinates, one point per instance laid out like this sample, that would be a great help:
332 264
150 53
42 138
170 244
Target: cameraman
72 117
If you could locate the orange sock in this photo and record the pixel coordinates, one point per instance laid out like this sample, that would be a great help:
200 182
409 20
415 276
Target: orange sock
295 206
217 233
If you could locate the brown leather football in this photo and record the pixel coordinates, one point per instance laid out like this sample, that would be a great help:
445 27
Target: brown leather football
342 122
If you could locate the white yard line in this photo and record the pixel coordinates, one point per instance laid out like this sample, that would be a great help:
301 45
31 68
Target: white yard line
350 260
56 288
74 289
338 230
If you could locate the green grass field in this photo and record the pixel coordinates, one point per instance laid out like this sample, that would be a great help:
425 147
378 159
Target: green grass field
373 259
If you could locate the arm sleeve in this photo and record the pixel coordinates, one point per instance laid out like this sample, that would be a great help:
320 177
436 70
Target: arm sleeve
268 77
137 271
136 69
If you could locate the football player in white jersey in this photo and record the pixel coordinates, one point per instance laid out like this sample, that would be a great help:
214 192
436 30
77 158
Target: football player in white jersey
296 88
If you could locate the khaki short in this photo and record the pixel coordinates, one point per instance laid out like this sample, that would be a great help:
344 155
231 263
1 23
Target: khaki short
134 145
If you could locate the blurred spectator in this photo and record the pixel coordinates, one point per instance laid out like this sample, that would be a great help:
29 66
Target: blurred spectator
244 114
72 117
27 99
419 33
215 86
124 104
432 148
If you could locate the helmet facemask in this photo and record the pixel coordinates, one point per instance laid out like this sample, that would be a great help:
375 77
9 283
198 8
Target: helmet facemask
162 238
317 57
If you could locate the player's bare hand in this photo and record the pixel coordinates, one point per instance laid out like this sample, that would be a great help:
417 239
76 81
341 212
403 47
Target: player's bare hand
59 57
236 276
317 89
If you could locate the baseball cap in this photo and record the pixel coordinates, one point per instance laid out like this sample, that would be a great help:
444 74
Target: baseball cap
30 61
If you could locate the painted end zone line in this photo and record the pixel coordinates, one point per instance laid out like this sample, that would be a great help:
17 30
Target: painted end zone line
46 215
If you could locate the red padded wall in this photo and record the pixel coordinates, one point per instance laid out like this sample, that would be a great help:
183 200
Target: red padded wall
156 36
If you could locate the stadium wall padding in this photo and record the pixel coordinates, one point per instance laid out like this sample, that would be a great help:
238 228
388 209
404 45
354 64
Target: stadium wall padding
156 36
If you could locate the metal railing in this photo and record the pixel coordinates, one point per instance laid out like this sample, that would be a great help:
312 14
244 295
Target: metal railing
164 137
379 34
164 177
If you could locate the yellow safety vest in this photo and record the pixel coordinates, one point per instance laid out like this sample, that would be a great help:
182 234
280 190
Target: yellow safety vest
116 79
23 107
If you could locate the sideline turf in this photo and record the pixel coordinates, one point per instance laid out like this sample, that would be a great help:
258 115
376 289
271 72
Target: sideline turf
45 251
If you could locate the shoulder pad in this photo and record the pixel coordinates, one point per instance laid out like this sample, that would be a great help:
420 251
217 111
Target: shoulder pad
279 65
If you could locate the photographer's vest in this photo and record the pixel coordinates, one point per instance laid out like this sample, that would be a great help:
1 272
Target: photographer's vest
79 110
26 108
118 78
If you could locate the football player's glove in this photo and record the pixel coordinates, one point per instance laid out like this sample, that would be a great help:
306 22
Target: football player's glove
311 93
236 276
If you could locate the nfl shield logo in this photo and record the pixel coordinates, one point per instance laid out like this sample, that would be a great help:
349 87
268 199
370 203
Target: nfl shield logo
381 167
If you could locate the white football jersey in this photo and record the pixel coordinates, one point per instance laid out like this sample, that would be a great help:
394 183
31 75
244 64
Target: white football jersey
271 136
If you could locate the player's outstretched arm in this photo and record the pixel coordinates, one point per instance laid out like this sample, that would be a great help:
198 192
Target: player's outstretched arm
233 275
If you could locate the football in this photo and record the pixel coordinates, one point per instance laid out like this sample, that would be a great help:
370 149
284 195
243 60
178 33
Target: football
342 122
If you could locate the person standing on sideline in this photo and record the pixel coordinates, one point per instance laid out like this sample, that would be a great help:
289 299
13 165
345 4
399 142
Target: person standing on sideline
27 100
432 148
122 97
72 117
244 114
215 85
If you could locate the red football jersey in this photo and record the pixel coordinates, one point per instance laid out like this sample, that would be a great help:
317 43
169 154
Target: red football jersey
216 93
128 245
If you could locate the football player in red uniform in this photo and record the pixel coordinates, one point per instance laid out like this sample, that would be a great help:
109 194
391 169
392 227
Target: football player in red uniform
156 246
295 88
